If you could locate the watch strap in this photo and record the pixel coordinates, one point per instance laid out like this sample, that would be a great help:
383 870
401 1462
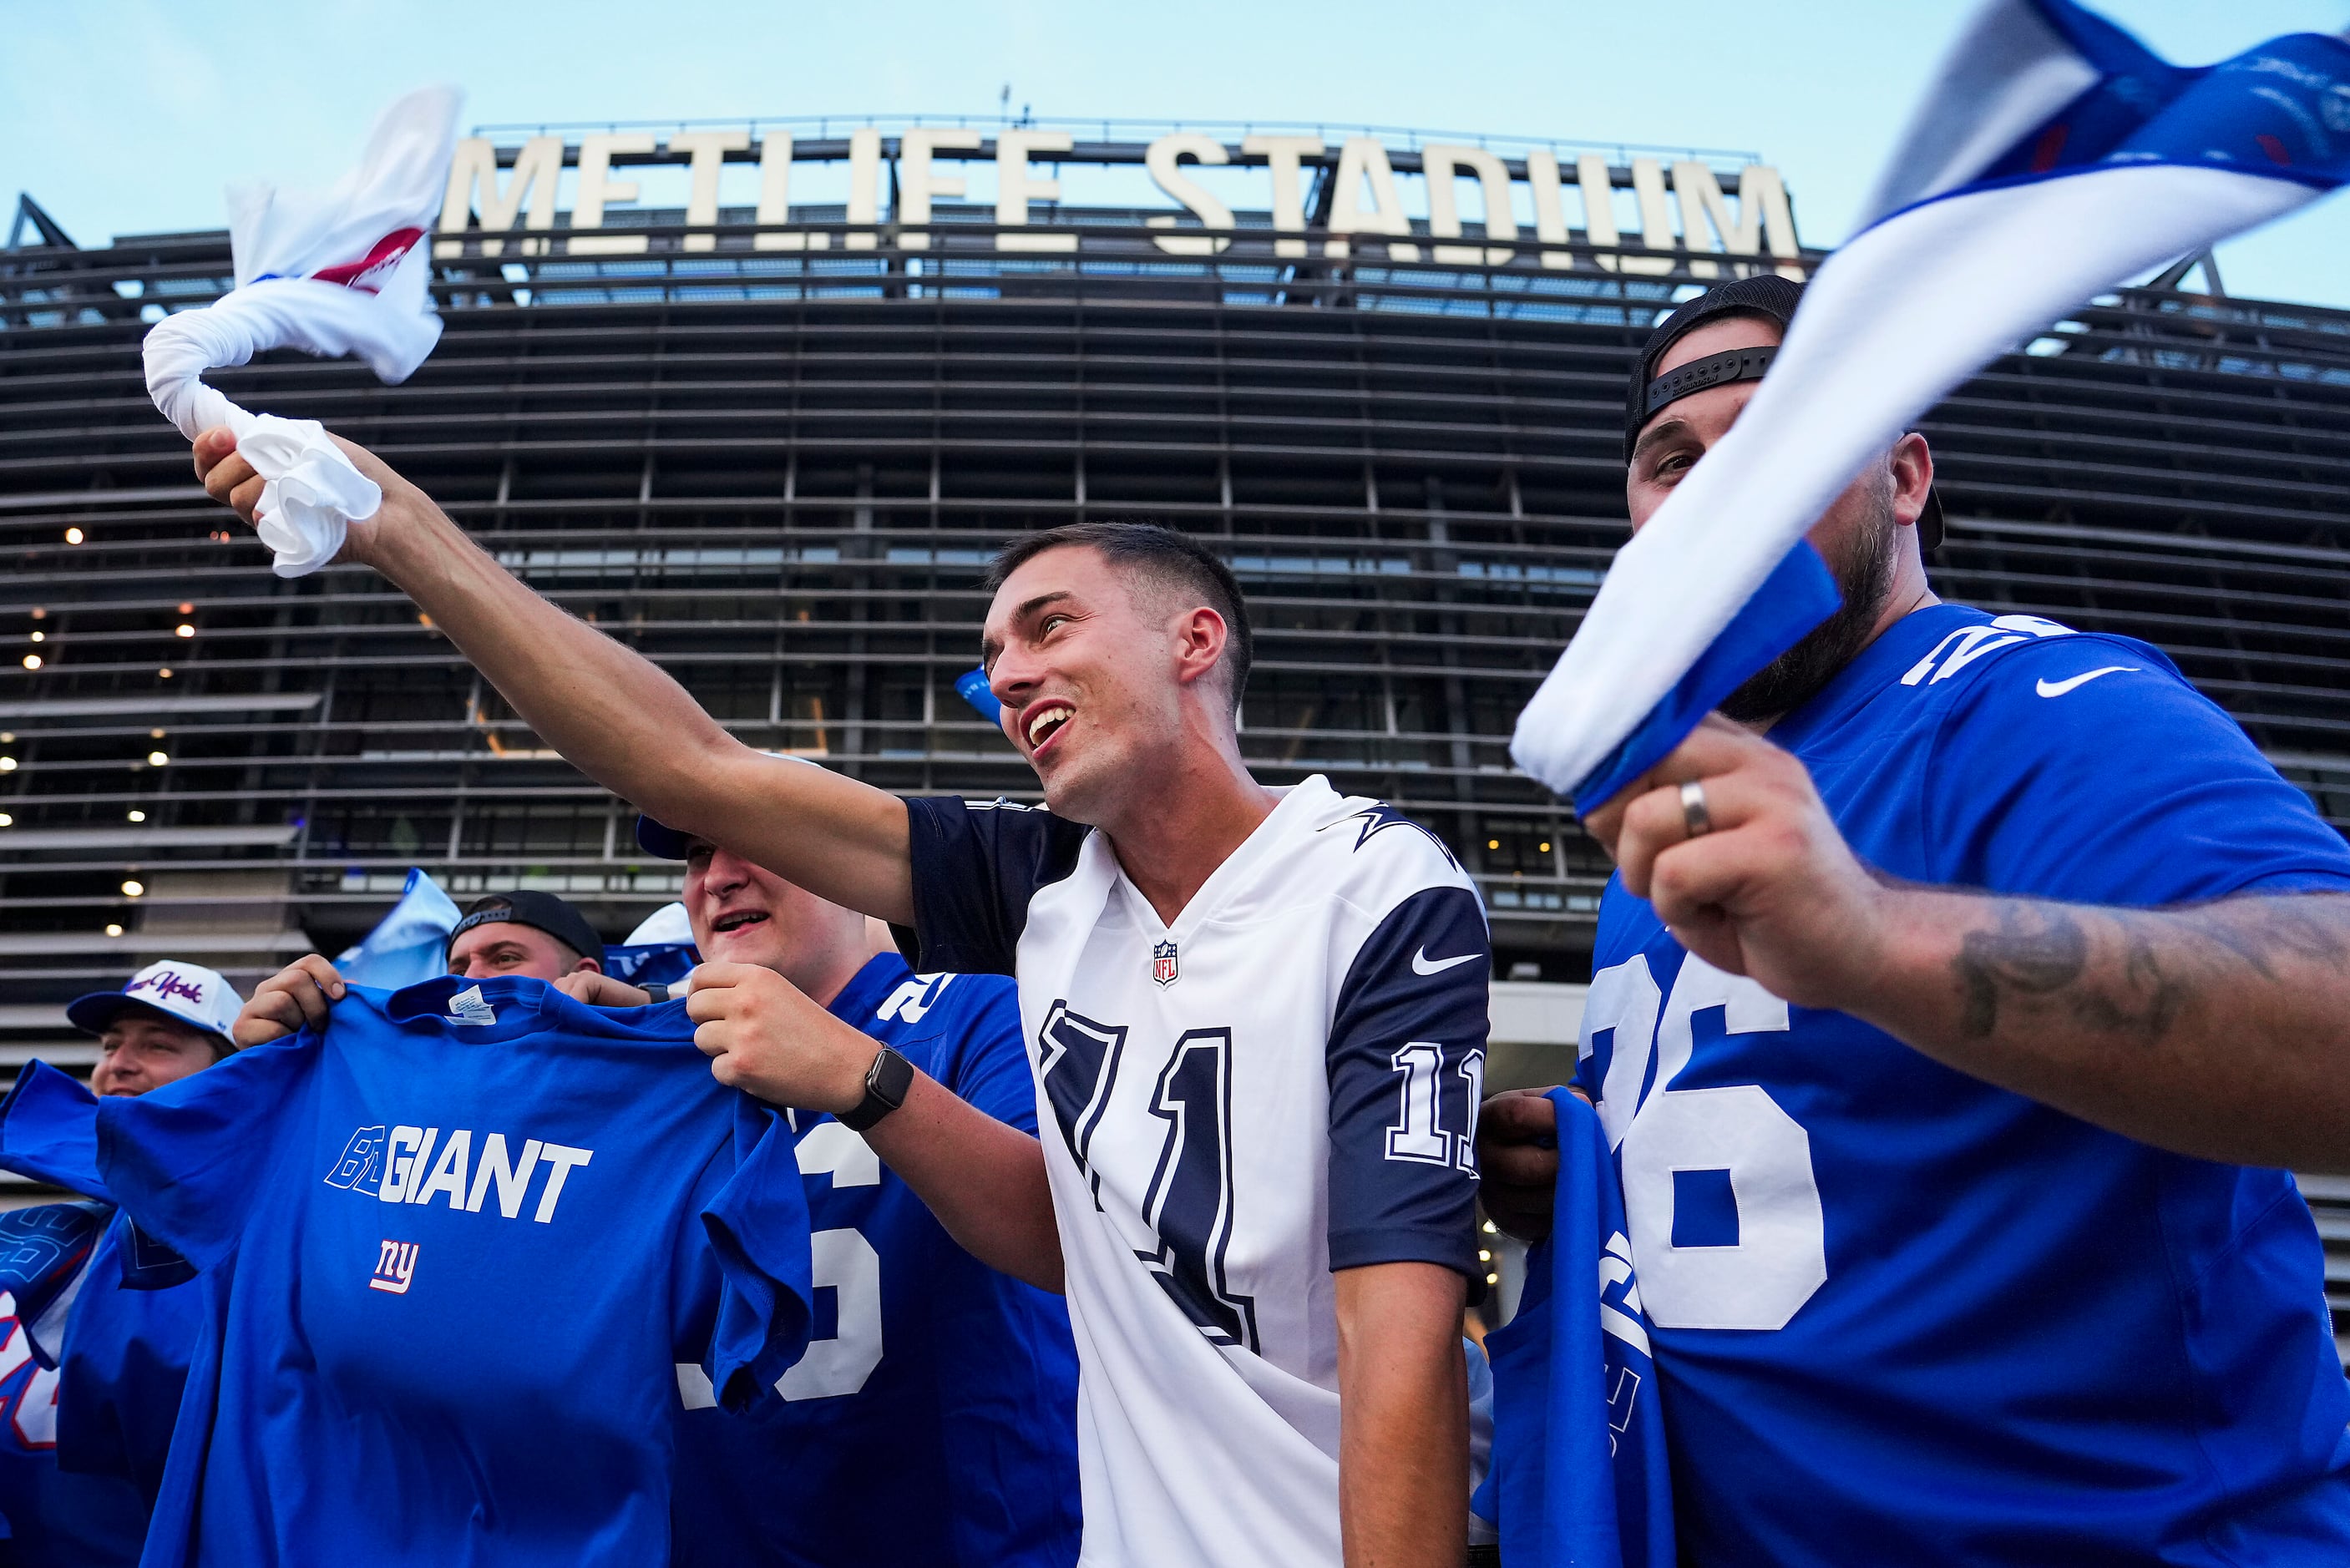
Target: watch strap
887 1083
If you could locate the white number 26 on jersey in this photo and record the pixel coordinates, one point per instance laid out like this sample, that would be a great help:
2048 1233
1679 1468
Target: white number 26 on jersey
1680 1143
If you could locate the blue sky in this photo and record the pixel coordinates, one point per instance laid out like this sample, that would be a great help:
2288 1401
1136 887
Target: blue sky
126 117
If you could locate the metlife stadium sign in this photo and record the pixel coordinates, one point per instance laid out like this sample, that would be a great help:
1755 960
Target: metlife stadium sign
1411 198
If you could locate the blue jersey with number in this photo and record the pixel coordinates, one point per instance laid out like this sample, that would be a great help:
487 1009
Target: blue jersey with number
56 1519
136 1313
933 1418
1902 1316
452 1249
1579 1471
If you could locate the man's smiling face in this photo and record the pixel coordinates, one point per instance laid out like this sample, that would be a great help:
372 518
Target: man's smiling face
1083 659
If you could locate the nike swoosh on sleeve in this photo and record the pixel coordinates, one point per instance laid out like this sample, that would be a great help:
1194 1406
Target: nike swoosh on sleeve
2058 687
1420 964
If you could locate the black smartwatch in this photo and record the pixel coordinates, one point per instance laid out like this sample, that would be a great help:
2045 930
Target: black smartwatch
886 1083
656 992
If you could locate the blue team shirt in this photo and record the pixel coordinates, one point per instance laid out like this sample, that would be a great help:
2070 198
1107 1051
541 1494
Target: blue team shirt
453 1250
1902 1316
137 1315
934 1419
55 1519
1579 1470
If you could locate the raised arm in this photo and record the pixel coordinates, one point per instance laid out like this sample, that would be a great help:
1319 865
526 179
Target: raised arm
2218 1030
612 712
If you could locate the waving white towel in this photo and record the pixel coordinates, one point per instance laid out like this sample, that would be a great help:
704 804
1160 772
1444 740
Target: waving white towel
333 273
2053 159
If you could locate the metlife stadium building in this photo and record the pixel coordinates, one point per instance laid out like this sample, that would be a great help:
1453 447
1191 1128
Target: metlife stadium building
762 399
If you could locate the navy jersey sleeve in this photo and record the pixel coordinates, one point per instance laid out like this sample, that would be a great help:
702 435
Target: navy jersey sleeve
989 1062
1407 1061
757 1225
2086 768
975 866
182 1159
127 1353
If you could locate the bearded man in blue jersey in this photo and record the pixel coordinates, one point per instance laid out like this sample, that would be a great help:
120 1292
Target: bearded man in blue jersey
1963 988
933 1418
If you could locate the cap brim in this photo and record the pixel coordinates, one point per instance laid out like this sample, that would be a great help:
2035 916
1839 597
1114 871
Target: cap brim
1930 520
93 1013
654 838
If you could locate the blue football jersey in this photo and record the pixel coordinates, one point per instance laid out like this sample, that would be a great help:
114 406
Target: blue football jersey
452 1249
1579 1471
55 1519
1904 1316
933 1418
135 1315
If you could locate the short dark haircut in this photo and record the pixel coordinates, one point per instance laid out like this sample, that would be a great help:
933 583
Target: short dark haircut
1167 556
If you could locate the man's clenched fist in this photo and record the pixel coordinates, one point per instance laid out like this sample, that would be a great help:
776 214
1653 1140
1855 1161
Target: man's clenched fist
764 1036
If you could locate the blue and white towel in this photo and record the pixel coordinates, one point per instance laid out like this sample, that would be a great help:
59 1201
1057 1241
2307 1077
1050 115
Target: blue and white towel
2053 157
338 272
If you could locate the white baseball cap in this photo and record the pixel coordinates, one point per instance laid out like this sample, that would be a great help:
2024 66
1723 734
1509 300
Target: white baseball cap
184 993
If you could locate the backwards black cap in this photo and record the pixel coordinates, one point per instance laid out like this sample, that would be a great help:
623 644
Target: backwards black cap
1767 295
539 911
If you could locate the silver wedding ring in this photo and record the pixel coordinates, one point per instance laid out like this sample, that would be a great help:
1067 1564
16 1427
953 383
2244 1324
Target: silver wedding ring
1694 816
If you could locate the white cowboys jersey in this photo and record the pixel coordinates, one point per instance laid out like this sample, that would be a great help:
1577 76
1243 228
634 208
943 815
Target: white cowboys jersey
1282 1082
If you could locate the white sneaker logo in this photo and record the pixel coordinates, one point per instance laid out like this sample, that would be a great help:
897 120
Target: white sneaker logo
2058 687
1420 964
468 1006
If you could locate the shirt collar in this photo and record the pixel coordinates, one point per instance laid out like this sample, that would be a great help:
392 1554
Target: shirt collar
861 998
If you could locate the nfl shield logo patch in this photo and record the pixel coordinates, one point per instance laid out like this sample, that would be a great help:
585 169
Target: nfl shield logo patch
1162 963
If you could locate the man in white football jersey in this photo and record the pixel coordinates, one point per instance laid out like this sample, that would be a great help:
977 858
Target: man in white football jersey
1256 1020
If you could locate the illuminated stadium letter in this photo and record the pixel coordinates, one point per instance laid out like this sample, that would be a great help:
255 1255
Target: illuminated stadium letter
707 148
597 187
1014 189
1281 154
864 186
1763 218
1359 158
1163 159
1550 210
776 197
474 185
917 184
1442 164
1598 188
1656 217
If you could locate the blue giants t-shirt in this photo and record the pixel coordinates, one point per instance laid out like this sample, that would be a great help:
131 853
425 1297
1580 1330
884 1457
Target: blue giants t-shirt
933 1418
454 1248
1902 1316
1580 1473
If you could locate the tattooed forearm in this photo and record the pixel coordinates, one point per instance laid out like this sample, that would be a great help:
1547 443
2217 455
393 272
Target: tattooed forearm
2133 972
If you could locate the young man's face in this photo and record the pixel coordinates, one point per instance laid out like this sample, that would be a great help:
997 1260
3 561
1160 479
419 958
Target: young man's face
506 947
1085 669
139 1052
742 913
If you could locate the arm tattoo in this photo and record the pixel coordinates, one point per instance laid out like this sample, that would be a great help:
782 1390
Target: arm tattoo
2135 972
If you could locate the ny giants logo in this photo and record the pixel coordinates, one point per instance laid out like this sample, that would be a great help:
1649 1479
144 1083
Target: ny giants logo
395 1267
170 984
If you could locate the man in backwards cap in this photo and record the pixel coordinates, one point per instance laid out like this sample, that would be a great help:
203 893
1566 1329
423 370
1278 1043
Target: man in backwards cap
1948 1039
525 932
168 1021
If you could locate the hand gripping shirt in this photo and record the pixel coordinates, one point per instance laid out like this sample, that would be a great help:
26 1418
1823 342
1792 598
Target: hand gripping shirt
1902 1316
452 1248
1280 1083
933 1418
